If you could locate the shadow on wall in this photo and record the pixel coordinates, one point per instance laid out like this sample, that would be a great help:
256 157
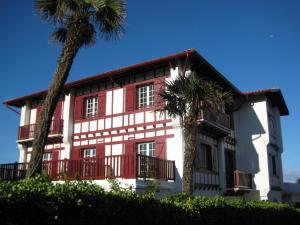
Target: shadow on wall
248 129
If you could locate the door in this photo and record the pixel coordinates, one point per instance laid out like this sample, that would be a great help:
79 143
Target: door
230 167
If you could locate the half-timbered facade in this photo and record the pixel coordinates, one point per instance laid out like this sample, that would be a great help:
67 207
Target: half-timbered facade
107 126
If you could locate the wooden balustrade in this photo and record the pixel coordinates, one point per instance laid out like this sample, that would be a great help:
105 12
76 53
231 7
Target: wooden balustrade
206 180
215 116
152 167
242 180
27 131
117 166
13 171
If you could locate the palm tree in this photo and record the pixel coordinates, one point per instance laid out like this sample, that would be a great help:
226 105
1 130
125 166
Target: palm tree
184 97
76 23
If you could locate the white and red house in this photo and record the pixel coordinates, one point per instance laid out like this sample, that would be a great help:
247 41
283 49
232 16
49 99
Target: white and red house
106 126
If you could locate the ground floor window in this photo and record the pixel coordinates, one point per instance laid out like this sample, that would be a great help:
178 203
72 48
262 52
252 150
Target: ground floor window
146 164
47 156
146 148
206 157
89 152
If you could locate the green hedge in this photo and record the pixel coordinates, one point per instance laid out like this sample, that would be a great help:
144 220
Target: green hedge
36 201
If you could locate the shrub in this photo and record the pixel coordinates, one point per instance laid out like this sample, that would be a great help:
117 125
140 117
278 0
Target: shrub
37 201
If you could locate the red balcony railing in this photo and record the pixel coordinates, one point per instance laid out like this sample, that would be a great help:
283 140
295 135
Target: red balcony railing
118 166
27 131
215 116
242 180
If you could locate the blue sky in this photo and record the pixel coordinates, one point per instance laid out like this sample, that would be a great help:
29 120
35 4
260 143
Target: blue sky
254 43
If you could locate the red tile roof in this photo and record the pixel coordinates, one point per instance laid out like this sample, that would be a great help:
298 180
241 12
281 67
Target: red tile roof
18 102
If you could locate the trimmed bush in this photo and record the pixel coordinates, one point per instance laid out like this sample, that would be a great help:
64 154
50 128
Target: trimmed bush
37 201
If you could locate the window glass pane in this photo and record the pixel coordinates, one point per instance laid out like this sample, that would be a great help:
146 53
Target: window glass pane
146 149
146 95
91 107
47 156
89 152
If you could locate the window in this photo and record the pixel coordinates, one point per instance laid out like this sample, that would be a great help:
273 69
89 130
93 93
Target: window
205 158
146 164
146 95
274 169
146 149
91 107
89 153
47 156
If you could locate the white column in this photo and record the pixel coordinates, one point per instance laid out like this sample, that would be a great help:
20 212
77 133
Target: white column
24 120
68 125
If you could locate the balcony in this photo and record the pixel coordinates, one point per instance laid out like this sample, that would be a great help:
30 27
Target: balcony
242 180
118 166
26 132
242 183
214 121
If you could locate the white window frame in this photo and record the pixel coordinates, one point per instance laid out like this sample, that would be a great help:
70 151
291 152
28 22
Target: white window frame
89 153
47 156
146 95
91 106
146 148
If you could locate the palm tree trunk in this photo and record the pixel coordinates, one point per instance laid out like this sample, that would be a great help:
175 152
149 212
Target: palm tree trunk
65 62
189 133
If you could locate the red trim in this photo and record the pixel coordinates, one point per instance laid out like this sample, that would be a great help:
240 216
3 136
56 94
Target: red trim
120 134
19 101
259 92
147 139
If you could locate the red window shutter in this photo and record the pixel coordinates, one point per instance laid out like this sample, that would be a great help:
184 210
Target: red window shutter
160 148
129 160
55 155
100 151
101 104
159 85
130 148
100 161
78 108
57 113
76 153
130 98
38 113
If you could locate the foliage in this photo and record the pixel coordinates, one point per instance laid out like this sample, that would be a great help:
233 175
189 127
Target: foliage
76 23
82 18
185 94
37 201
151 188
186 97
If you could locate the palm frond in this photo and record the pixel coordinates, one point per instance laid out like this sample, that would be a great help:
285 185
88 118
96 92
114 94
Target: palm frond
109 17
185 94
46 8
59 35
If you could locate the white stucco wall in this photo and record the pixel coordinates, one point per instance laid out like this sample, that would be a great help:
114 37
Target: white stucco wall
252 134
252 130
